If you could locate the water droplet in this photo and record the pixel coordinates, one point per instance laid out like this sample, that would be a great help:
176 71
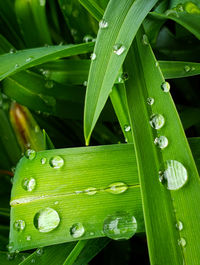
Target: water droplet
179 8
56 202
179 225
13 169
193 68
16 65
78 191
172 12
161 142
77 230
150 101
10 256
46 220
103 24
30 154
32 260
28 238
127 128
37 129
182 242
28 184
10 247
157 64
49 84
12 50
56 162
187 68
91 191
29 59
145 40
19 225
121 225
117 188
119 49
93 56
157 121
85 83
165 86
43 160
46 74
87 38
191 8
174 176
39 251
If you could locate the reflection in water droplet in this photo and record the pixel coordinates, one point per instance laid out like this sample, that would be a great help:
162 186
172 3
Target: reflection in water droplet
103 24
127 128
119 49
56 162
46 220
150 101
161 142
28 238
91 191
174 176
145 40
165 87
19 225
77 230
179 225
157 121
117 188
121 225
30 154
93 56
43 160
28 184
182 242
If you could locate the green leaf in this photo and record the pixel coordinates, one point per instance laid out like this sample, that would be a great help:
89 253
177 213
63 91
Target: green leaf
95 10
123 20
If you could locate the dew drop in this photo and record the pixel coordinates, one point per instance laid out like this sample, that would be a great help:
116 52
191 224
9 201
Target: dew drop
91 191
171 12
37 129
56 162
43 160
182 242
93 56
30 154
157 64
174 176
103 24
187 68
117 188
10 247
145 40
10 256
56 202
49 84
179 8
46 220
32 260
12 50
119 49
77 230
28 238
193 68
157 121
165 87
29 59
150 101
85 83
39 251
19 225
87 38
16 65
161 142
127 128
179 225
121 225
28 184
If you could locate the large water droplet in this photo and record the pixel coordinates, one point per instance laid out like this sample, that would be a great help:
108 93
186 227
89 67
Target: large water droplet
179 225
28 184
93 56
127 128
103 24
150 101
182 242
117 188
46 220
77 230
56 162
157 121
121 225
91 191
187 68
165 87
119 49
30 154
174 176
161 142
19 225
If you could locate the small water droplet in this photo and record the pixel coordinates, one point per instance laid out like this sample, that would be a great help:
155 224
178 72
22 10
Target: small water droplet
29 59
117 188
87 38
172 12
10 256
16 65
30 154
157 64
32 260
28 238
93 56
56 202
46 220
77 230
56 162
193 68
179 8
127 128
145 40
13 169
85 83
46 74
187 68
119 49
103 24
28 184
157 121
19 225
49 84
43 160
39 251
179 225
161 142
165 87
10 247
37 129
174 176
12 50
150 101
91 191
121 225
182 242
